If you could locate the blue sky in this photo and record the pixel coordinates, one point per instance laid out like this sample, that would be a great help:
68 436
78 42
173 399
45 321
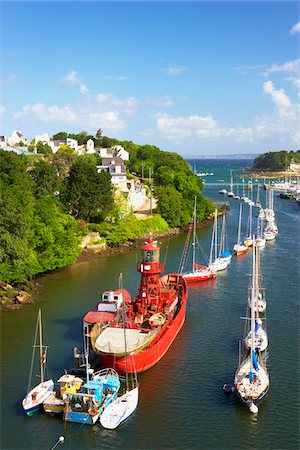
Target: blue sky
197 78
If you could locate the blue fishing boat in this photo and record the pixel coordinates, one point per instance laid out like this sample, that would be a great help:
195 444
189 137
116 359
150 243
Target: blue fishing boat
86 407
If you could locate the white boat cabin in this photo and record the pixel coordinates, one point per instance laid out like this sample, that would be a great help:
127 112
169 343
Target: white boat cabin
111 301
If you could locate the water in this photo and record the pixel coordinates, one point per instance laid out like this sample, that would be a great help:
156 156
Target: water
182 405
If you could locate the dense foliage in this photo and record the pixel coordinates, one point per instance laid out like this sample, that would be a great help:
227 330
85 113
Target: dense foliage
35 235
276 160
46 198
130 228
175 185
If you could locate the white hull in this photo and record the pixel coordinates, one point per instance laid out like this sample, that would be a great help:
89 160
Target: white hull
120 410
35 398
219 264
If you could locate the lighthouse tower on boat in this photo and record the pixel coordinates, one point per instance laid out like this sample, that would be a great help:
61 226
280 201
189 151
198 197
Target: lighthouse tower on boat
149 292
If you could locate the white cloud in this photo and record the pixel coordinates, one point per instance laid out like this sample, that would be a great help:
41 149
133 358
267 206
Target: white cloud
174 70
282 127
287 67
279 98
105 111
199 127
2 110
128 105
72 78
295 28
9 79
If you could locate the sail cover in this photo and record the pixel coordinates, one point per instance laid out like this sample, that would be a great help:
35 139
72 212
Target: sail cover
254 361
225 254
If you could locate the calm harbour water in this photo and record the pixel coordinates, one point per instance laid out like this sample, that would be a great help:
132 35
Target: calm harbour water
182 405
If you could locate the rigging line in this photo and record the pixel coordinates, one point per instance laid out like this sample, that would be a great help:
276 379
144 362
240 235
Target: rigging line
32 358
184 254
167 250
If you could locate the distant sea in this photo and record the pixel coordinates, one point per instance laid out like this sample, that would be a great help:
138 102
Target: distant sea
218 170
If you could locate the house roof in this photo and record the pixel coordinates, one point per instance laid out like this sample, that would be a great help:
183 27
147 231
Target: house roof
113 161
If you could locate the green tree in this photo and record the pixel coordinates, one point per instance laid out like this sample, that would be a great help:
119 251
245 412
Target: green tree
46 180
88 194
44 149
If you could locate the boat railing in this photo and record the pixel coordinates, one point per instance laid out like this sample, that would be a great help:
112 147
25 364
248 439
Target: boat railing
104 372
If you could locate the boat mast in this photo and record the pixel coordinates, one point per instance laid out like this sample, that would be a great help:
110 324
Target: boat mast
253 295
222 241
216 235
41 346
194 235
212 241
239 228
124 329
250 221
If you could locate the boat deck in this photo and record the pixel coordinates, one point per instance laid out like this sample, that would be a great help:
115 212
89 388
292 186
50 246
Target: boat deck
111 340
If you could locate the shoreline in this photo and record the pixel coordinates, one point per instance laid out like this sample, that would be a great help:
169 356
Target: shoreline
23 293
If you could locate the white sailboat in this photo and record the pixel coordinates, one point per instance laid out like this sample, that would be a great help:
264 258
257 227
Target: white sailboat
231 193
251 381
249 239
198 272
216 263
260 241
239 248
123 407
37 395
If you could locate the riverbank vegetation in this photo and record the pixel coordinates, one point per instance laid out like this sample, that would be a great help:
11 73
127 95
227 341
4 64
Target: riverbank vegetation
273 161
49 202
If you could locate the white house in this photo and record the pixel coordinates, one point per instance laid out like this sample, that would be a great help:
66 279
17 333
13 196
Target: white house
116 168
90 146
2 141
294 165
44 138
135 193
56 143
16 137
120 152
104 152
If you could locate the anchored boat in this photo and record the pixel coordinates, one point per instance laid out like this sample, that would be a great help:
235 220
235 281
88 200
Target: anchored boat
153 318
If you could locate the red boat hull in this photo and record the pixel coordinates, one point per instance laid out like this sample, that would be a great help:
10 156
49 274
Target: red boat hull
148 357
199 278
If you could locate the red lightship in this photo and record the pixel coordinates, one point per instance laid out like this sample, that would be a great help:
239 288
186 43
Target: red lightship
153 318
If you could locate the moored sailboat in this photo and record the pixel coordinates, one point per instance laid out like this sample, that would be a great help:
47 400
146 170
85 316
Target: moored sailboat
251 381
37 395
239 248
249 239
199 272
117 412
216 262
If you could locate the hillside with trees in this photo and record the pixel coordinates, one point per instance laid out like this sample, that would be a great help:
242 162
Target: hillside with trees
273 161
50 201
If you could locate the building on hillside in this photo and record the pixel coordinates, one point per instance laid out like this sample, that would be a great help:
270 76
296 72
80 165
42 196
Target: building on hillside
44 138
113 152
15 138
294 166
135 193
104 152
2 141
90 146
115 167
120 152
56 143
